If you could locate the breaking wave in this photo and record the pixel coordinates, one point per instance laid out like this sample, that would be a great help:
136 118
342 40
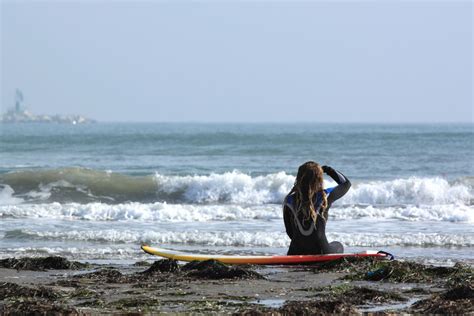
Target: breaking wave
6 196
86 186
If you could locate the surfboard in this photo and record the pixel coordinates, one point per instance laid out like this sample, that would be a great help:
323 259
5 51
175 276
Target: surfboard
263 260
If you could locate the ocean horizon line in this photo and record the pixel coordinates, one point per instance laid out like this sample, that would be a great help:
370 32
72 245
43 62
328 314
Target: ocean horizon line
270 122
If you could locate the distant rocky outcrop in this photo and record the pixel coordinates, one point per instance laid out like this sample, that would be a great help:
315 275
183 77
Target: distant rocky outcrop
13 116
18 114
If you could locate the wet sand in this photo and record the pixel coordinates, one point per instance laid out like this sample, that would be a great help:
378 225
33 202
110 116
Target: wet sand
343 287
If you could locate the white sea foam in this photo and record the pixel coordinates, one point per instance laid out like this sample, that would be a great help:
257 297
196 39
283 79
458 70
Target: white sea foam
405 239
447 213
250 239
163 212
409 191
104 252
6 196
230 187
156 212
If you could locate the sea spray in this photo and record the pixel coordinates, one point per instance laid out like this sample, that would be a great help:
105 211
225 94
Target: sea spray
6 196
85 186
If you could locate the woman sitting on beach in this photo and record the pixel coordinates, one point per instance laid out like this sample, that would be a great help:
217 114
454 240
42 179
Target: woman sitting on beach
305 210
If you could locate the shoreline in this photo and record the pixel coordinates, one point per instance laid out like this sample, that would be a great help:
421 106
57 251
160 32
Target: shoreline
54 284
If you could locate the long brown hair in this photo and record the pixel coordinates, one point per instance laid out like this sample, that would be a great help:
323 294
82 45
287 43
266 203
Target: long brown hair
309 182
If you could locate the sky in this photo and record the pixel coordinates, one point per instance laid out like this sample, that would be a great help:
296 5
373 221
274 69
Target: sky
240 61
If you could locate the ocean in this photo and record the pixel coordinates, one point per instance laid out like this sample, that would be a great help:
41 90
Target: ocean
96 192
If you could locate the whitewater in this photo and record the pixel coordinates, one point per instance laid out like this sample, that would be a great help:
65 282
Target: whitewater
97 192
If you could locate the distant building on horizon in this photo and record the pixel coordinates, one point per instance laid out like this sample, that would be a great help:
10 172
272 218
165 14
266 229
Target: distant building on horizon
19 114
19 99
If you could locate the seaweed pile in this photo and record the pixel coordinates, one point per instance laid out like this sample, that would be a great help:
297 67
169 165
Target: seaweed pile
215 270
158 271
20 299
41 264
457 299
370 269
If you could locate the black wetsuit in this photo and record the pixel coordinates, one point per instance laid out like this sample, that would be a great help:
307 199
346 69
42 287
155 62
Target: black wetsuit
306 237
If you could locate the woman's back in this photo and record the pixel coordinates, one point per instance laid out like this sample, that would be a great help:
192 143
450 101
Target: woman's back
306 229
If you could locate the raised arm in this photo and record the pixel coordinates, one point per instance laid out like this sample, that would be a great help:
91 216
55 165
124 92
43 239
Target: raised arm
343 184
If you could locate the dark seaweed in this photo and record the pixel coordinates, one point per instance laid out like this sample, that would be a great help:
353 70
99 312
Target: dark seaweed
406 272
212 269
107 275
9 290
36 307
41 264
162 266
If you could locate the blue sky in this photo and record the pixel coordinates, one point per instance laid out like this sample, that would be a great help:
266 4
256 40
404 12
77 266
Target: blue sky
210 61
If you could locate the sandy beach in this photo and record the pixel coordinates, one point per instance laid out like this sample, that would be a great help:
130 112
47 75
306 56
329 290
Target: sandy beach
56 285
